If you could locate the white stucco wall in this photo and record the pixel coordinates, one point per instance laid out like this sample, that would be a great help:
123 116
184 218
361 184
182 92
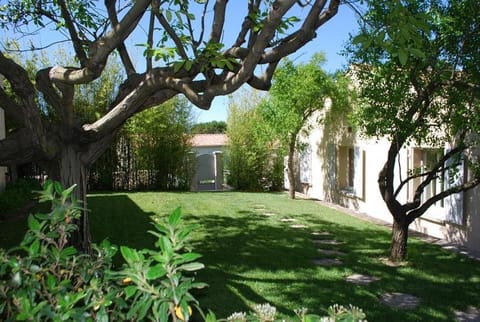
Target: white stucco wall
460 225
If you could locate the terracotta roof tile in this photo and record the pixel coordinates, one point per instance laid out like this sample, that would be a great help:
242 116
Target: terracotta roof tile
209 140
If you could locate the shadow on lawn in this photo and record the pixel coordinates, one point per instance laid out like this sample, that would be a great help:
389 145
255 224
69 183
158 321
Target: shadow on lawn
119 219
249 249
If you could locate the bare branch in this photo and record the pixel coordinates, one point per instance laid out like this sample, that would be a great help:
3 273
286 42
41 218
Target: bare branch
247 24
265 81
172 34
102 48
77 42
427 204
218 20
316 17
151 26
122 49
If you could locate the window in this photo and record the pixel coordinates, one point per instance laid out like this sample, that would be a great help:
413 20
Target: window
351 170
305 162
423 161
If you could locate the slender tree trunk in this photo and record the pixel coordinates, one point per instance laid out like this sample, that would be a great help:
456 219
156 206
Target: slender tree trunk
398 249
291 168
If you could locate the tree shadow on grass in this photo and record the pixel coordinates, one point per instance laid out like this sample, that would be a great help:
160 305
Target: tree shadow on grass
120 220
248 255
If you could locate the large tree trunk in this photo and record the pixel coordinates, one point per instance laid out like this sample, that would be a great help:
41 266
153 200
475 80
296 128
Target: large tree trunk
398 249
291 168
72 170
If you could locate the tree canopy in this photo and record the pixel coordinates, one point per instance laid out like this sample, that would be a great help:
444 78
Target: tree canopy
187 50
416 64
298 91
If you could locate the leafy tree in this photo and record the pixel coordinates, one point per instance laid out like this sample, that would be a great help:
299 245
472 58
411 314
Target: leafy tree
420 87
160 140
298 91
211 127
183 55
254 158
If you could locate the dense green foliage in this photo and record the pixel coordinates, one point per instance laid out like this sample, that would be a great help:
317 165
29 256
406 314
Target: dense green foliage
416 66
254 157
46 279
299 92
152 152
211 127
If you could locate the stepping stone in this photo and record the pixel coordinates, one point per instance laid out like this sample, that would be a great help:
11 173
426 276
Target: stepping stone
288 219
330 252
298 226
321 233
400 300
471 315
268 214
327 242
258 207
327 262
361 279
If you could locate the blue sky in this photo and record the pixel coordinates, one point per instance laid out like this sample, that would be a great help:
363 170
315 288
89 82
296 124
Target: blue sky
330 40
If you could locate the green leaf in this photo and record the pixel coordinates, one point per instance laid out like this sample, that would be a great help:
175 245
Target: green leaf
51 282
175 216
166 246
130 290
33 224
168 15
68 252
189 257
156 272
188 65
129 254
34 247
199 285
210 317
191 267
67 192
58 187
164 309
402 56
178 65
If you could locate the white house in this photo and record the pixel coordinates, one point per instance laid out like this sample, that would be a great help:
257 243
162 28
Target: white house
341 167
208 150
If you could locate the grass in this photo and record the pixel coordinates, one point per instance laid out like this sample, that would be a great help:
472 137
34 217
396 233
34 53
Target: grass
254 258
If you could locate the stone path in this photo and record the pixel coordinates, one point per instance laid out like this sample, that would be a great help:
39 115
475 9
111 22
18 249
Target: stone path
361 279
327 242
298 226
330 252
400 300
327 262
393 299
471 315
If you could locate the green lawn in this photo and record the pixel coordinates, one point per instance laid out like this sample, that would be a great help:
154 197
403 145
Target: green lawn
254 258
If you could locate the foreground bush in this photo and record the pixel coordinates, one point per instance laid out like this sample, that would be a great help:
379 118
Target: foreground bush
46 279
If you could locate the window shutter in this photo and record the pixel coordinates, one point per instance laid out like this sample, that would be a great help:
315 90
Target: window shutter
454 202
358 177
306 165
331 166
